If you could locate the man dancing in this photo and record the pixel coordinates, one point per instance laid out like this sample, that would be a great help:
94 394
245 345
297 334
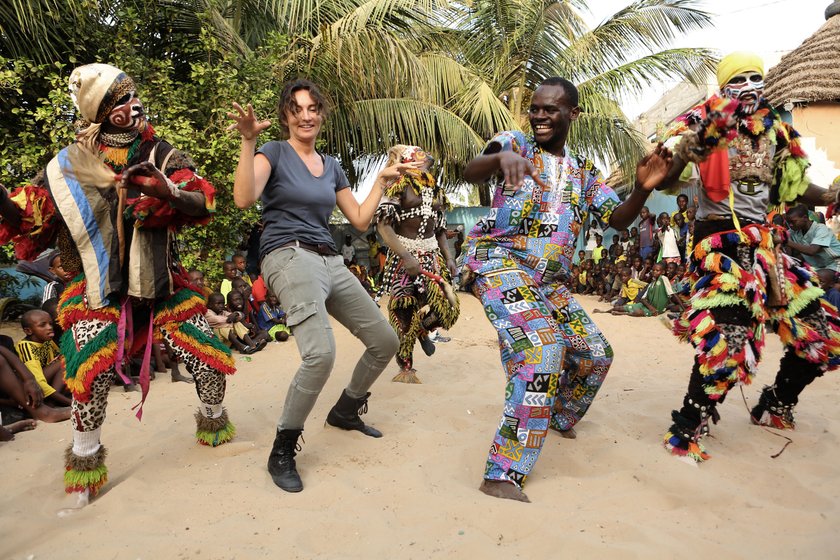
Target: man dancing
411 218
555 358
748 159
117 239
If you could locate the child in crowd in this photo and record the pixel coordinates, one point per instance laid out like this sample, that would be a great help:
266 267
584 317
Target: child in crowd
250 306
259 291
593 277
581 278
573 279
42 357
272 318
53 289
670 251
228 326
646 275
682 208
626 244
381 259
620 257
599 251
197 281
653 299
20 394
236 304
634 236
239 265
636 267
829 283
681 231
229 270
373 251
613 247
630 288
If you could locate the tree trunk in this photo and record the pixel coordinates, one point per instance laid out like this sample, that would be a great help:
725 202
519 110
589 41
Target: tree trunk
483 194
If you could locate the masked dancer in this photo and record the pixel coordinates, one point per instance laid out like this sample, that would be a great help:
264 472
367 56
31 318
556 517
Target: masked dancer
741 283
115 227
411 219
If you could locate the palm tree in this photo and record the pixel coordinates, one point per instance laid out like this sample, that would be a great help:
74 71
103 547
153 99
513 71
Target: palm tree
443 74
522 42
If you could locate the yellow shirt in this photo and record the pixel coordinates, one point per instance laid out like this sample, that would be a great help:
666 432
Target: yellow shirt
36 356
630 289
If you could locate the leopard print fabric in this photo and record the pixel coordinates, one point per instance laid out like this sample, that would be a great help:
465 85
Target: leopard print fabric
209 382
90 415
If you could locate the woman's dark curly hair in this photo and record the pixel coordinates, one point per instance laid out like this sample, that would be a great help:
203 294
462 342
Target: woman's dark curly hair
287 100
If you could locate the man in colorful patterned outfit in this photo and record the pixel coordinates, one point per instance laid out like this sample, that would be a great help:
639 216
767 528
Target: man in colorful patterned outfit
117 239
555 358
741 283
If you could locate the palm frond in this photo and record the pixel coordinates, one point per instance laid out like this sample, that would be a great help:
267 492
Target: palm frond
371 126
692 65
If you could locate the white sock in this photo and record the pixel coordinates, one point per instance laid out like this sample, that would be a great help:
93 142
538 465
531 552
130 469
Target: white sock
86 444
211 410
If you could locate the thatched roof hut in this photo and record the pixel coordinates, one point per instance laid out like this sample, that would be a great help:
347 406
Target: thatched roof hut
812 71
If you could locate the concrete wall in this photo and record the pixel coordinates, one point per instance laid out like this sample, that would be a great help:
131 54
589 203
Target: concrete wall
819 123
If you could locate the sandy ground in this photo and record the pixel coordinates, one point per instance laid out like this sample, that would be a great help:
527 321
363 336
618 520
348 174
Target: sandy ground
612 493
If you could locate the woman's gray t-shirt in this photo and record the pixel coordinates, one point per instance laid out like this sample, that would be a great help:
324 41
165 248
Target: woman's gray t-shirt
296 204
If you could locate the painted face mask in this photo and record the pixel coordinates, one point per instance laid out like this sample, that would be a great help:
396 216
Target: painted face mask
415 153
748 89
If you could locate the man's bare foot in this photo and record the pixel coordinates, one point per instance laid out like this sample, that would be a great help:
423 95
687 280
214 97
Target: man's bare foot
503 489
568 434
176 376
49 414
7 432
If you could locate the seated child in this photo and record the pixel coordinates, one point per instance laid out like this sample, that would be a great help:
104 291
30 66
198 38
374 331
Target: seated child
630 288
654 299
42 357
573 279
20 394
272 318
646 275
236 303
228 326
581 279
829 283
636 267
620 257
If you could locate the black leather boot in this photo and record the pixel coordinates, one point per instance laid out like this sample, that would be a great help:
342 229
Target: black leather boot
281 461
345 415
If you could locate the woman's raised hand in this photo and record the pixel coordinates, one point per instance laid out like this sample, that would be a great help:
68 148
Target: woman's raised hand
246 122
394 172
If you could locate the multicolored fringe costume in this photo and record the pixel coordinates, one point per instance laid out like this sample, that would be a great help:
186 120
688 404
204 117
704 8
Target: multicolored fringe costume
741 284
98 307
554 356
417 305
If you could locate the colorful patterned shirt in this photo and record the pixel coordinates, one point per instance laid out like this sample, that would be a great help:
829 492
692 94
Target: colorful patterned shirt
535 229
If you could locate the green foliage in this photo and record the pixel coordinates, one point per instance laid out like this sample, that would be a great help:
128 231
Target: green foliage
187 104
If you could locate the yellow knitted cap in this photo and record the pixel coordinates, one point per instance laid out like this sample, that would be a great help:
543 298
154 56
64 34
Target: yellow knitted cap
737 63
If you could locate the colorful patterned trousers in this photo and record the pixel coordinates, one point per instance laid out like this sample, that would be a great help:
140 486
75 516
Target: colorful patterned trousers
555 360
